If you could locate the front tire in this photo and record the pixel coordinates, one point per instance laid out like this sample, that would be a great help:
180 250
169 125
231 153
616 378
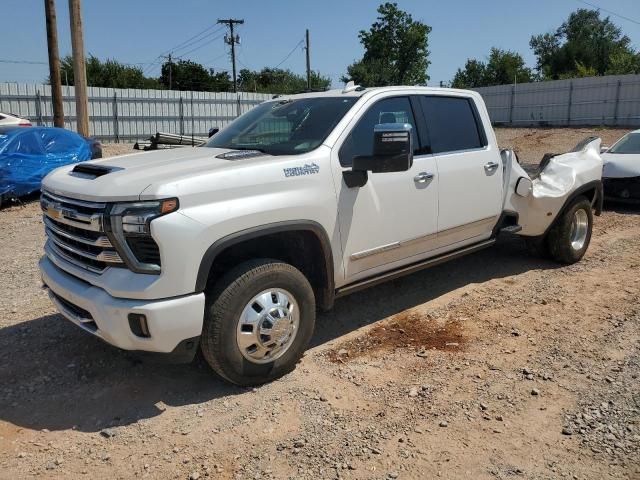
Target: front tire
258 322
569 238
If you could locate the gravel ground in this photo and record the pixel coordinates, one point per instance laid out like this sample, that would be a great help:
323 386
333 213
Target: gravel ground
494 366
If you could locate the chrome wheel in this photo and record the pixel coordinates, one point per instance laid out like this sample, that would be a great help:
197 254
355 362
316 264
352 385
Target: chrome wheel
579 229
268 326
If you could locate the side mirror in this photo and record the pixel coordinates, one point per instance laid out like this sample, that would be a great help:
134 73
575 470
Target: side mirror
392 150
604 148
524 187
213 131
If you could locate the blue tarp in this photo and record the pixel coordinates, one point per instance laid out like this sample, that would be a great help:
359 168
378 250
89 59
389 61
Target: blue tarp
27 154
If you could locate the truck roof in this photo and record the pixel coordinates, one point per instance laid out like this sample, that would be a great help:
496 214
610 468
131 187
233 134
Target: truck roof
357 91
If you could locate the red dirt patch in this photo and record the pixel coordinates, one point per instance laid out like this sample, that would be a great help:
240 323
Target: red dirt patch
404 330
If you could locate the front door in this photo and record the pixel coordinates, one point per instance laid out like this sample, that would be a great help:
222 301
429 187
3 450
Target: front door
392 220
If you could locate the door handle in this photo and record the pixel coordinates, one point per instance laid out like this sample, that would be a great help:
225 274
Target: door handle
423 177
491 166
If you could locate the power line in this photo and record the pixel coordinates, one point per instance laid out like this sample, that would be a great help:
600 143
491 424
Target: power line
201 46
290 53
187 45
25 62
610 12
181 45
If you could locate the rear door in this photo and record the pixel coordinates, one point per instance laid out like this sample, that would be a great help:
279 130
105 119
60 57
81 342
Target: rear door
469 170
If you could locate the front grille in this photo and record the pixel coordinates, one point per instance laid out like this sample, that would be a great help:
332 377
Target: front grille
75 232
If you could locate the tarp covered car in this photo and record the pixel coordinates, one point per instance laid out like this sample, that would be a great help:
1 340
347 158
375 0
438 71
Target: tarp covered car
28 154
621 171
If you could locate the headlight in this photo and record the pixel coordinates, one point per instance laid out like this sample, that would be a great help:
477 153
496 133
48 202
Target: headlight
128 226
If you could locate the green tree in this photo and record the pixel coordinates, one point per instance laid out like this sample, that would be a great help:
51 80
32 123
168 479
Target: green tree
109 74
279 81
188 75
584 44
396 51
623 63
502 67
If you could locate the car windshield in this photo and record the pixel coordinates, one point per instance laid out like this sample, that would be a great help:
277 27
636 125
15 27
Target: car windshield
630 143
286 127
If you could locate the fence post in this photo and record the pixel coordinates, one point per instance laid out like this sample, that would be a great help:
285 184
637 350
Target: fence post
238 106
513 98
116 132
181 113
192 119
615 108
39 108
570 103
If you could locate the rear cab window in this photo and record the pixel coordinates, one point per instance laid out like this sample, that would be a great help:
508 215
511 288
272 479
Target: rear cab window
453 123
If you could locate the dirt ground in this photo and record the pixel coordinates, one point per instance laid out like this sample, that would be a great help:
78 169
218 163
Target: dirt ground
495 366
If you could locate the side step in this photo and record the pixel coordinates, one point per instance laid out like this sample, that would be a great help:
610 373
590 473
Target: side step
415 267
511 229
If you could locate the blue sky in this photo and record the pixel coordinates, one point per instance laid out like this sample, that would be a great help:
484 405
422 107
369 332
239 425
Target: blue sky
137 31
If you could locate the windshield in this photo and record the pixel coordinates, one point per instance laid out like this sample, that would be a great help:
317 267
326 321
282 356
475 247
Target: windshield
286 127
630 143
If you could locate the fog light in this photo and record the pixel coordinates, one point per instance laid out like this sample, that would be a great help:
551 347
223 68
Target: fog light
138 325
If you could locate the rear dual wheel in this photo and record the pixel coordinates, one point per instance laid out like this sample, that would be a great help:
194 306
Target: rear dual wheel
567 241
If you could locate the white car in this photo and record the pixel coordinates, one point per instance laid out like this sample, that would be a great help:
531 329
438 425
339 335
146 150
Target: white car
621 171
11 120
231 247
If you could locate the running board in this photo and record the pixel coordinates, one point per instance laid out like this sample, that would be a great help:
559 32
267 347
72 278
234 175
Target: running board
409 269
511 229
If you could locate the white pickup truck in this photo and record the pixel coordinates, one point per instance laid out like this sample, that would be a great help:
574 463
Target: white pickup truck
230 247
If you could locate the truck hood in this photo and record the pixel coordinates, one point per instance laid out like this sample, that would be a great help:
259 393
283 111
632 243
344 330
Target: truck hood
127 176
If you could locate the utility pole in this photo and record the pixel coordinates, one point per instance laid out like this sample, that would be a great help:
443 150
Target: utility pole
232 40
54 63
308 60
168 57
79 68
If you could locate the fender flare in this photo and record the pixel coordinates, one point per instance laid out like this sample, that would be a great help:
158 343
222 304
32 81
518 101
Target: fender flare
259 231
597 202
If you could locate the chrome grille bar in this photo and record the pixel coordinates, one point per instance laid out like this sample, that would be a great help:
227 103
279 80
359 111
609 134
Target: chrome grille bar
75 232
101 241
104 256
73 201
68 216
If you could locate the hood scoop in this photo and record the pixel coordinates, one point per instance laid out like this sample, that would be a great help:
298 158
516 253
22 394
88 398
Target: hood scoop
88 170
240 154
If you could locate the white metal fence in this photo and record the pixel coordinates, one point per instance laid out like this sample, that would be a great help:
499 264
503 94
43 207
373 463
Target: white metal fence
125 115
611 101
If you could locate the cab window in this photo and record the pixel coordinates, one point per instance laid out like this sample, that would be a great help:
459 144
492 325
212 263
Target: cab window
360 140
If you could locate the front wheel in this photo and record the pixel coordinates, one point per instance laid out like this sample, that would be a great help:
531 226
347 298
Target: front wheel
569 238
258 322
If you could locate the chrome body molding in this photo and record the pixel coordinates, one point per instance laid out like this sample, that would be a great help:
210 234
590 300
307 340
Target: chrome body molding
444 233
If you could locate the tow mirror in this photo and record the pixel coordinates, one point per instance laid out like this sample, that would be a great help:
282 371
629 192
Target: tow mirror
604 148
524 187
392 150
213 131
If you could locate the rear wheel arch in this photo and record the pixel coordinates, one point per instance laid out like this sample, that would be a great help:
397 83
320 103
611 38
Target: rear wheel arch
301 243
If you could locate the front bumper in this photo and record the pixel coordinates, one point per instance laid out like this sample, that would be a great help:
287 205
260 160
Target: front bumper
170 321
